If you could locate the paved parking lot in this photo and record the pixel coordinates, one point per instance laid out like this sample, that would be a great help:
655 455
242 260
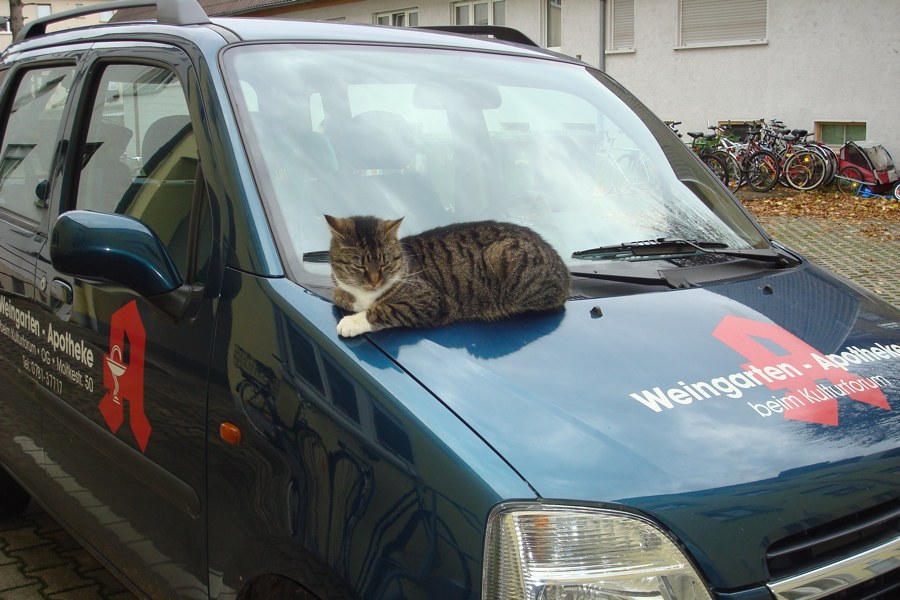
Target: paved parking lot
844 249
39 560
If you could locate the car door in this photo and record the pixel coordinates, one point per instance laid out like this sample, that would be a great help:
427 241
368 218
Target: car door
33 111
124 431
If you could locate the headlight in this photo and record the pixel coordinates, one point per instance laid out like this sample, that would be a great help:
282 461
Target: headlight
543 552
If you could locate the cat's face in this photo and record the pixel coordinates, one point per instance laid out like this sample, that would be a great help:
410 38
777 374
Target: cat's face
365 253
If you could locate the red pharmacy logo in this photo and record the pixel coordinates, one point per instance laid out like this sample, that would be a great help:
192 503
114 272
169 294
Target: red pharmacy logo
123 374
813 382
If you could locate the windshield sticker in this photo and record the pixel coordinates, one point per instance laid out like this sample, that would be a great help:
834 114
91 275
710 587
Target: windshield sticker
123 374
808 383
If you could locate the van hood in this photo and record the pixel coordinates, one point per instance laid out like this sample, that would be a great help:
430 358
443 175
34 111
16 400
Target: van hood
735 414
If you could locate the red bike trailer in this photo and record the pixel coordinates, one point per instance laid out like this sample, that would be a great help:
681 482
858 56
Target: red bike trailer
867 169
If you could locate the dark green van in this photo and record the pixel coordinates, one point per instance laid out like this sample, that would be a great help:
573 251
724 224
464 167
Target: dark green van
711 416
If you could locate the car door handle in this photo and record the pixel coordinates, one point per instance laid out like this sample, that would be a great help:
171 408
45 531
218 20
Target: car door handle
60 293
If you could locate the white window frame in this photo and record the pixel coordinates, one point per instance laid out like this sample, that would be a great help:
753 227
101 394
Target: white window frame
391 16
714 23
619 26
471 5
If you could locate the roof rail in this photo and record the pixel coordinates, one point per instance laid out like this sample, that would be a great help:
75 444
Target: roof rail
504 34
170 12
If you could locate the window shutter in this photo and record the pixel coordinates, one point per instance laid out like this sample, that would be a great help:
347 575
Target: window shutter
711 21
622 34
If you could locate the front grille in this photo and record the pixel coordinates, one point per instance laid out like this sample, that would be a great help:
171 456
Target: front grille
855 558
833 541
883 587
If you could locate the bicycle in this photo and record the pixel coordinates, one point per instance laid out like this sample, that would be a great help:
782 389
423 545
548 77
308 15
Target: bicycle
704 145
759 167
801 167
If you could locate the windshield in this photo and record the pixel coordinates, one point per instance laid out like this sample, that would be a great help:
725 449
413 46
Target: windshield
443 136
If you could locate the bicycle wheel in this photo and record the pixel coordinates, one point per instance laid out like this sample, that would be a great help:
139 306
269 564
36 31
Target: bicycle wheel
897 191
717 166
848 180
831 161
733 167
805 170
761 170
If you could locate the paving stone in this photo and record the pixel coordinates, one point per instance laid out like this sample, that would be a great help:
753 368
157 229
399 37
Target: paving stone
64 542
83 559
23 537
40 557
109 586
43 522
60 579
12 577
88 593
843 249
29 592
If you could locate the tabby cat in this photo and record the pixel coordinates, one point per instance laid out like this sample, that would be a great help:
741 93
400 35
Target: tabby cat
483 270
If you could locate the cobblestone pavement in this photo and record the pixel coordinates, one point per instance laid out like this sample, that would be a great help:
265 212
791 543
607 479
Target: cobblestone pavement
38 559
845 250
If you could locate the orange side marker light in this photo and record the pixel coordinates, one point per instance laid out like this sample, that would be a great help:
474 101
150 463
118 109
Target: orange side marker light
230 432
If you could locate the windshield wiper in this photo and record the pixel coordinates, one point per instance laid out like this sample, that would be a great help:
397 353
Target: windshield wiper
318 256
674 246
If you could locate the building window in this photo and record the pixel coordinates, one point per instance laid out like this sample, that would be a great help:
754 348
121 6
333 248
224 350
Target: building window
43 10
620 19
721 22
491 12
399 18
4 24
839 133
554 23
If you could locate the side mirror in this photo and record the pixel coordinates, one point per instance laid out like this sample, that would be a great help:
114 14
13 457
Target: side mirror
120 250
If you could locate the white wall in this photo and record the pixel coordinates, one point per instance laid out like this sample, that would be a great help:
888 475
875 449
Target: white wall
825 60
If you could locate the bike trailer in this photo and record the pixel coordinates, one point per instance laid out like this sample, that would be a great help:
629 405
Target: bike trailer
872 162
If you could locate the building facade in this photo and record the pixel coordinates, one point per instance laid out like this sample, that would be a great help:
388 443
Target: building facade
34 10
827 66
813 64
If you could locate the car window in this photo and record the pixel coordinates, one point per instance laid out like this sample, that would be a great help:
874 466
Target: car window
29 139
139 155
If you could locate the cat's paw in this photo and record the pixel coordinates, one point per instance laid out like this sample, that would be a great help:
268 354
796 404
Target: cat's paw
343 299
354 325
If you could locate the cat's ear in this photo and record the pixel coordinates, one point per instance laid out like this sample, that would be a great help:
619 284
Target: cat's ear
391 227
338 226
